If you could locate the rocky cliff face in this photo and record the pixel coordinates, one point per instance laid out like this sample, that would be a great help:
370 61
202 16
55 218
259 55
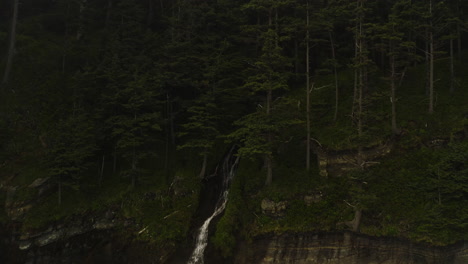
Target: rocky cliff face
77 243
346 248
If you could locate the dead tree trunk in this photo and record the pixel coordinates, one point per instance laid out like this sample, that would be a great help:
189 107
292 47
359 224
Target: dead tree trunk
203 169
332 46
108 13
452 68
431 64
307 93
59 192
11 44
431 73
268 158
393 99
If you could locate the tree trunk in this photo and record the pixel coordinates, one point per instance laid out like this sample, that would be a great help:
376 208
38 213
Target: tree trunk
307 93
459 44
101 172
268 165
203 169
166 153
149 19
361 84
59 190
108 13
268 161
79 31
296 58
431 63
395 129
428 62
134 159
134 170
114 165
11 45
356 57
452 68
269 99
431 73
161 6
357 220
171 123
332 45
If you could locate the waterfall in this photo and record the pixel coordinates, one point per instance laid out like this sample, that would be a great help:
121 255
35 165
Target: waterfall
228 169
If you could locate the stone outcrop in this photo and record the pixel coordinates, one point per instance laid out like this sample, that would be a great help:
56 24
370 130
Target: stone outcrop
313 198
337 162
345 248
272 208
16 208
65 231
90 238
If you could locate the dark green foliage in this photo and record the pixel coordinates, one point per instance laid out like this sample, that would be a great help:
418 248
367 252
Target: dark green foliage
202 126
71 149
140 90
430 202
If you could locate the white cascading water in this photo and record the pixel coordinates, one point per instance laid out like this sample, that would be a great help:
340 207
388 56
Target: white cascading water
202 238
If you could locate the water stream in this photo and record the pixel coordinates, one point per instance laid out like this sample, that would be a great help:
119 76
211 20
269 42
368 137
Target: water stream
228 170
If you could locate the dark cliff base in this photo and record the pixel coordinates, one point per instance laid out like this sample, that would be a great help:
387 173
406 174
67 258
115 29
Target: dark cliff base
9 252
346 248
294 248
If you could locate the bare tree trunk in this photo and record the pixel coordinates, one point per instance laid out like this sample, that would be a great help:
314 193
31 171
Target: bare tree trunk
203 169
355 89
307 93
431 63
65 38
268 165
428 62
166 154
59 190
134 159
149 19
431 73
101 172
79 32
171 122
269 99
296 58
11 44
459 44
134 172
268 161
395 129
114 165
161 5
362 79
357 220
452 68
332 45
108 13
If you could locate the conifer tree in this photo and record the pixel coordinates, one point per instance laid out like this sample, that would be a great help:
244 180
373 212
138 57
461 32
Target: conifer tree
131 96
201 129
399 50
70 151
268 75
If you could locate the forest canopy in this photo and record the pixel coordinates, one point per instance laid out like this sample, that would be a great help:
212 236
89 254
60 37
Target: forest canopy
103 93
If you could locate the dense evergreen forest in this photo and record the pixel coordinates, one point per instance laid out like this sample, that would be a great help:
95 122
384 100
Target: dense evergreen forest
346 114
